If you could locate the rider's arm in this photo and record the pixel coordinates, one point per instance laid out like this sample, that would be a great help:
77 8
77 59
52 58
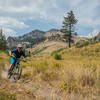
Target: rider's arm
10 53
24 56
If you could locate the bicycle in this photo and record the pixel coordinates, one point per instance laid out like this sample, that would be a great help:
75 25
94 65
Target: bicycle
16 72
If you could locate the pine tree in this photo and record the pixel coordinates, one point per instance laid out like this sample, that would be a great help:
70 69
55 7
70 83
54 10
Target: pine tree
2 41
68 27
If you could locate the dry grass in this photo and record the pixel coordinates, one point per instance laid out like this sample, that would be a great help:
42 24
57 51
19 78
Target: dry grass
75 77
4 59
48 47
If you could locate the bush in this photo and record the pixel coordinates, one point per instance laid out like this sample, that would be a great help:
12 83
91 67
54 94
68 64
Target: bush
57 56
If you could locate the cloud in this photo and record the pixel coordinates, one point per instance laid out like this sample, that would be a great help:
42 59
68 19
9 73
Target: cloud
12 23
32 9
74 2
86 13
14 14
9 32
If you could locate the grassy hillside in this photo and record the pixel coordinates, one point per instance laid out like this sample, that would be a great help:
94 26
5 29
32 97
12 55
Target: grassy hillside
75 77
47 47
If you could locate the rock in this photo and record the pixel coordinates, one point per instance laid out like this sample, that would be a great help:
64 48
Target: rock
54 35
80 42
97 38
11 42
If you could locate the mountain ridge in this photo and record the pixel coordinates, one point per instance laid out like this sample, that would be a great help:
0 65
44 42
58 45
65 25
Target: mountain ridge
37 36
33 37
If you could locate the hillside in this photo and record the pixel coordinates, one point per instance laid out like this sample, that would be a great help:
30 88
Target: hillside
47 47
74 77
29 39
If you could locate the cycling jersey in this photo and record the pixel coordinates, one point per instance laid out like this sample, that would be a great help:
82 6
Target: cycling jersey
18 54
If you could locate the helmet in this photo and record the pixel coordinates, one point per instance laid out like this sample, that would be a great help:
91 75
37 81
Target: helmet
19 45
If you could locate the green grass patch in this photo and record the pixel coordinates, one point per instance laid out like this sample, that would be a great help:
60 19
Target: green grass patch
57 51
7 96
78 45
37 52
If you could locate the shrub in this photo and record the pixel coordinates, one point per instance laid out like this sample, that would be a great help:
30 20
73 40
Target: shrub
57 56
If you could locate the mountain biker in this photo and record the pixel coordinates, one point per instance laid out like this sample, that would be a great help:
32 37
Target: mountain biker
15 54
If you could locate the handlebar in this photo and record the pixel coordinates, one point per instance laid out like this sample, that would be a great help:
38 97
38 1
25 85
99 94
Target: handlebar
23 60
18 59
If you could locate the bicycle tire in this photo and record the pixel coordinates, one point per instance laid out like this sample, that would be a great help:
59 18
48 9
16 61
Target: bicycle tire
9 75
19 71
15 74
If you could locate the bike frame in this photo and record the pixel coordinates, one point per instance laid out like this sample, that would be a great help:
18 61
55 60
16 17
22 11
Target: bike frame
15 72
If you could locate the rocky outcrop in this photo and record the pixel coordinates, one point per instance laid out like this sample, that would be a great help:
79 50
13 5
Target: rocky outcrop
11 42
97 38
80 42
27 40
54 35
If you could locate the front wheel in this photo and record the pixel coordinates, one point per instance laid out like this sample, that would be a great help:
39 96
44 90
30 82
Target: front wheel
17 73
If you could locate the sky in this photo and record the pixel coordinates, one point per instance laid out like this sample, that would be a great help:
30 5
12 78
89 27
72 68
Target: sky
18 17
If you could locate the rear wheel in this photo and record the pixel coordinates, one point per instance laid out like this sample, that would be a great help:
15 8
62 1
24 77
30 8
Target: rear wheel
9 73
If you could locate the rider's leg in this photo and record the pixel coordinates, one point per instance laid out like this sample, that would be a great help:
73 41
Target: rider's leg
11 64
11 67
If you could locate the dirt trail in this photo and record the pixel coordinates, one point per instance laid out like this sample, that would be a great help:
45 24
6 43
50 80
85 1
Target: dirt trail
4 72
